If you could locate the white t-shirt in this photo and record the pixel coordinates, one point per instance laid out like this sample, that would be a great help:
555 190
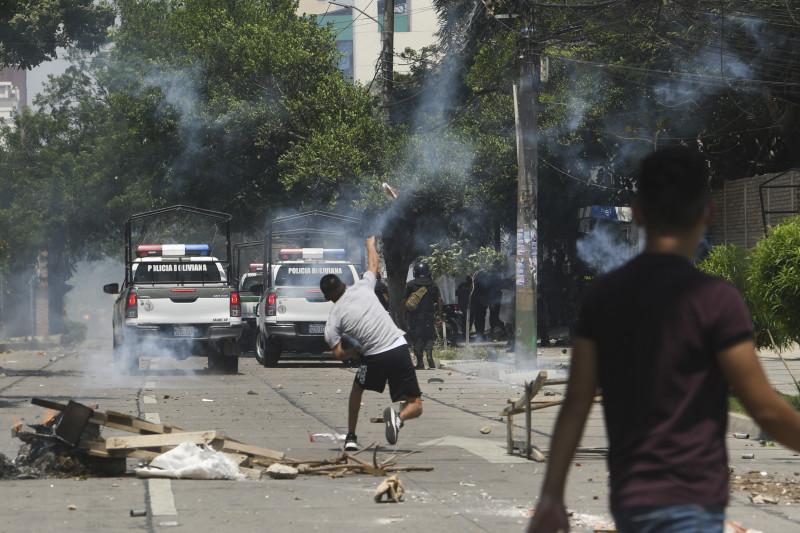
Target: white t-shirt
359 313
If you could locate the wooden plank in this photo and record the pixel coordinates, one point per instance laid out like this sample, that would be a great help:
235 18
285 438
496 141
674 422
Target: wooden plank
48 404
158 440
130 423
530 391
98 449
230 445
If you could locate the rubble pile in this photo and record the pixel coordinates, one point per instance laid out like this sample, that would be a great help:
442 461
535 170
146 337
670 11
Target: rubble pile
44 453
69 444
766 488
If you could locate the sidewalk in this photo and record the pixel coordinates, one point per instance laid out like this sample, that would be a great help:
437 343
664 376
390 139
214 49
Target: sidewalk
501 366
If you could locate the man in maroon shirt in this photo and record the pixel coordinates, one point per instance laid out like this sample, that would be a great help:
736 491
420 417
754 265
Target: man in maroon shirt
663 341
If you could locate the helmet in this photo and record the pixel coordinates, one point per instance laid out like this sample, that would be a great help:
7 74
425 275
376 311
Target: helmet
421 270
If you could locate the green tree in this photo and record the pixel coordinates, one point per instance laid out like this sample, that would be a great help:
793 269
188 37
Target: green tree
233 106
247 98
31 31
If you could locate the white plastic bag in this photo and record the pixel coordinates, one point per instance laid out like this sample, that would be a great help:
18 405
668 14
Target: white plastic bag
190 461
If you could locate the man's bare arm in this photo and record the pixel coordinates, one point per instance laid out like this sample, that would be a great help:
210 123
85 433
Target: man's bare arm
743 371
341 354
569 427
372 255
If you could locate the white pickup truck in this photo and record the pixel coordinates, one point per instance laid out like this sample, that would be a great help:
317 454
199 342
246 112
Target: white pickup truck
176 301
292 310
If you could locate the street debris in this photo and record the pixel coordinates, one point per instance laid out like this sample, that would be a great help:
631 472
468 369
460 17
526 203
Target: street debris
191 461
392 487
734 527
486 430
765 488
279 471
326 437
69 444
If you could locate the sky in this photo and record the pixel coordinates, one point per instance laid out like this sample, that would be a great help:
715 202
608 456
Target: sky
37 77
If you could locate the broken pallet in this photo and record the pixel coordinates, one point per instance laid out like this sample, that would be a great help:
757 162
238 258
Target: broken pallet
150 439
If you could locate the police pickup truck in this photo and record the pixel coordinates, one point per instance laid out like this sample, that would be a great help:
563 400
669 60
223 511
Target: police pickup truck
292 310
176 301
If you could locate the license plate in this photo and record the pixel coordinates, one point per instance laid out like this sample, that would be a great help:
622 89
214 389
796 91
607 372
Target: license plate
184 331
316 328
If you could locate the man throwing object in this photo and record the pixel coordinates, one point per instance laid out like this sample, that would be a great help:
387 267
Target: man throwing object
359 327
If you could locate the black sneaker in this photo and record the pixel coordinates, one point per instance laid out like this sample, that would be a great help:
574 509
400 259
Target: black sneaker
351 443
393 424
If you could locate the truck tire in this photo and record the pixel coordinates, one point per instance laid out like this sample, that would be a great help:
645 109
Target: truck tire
224 357
268 350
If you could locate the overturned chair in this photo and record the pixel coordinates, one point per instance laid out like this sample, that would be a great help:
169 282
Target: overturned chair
527 404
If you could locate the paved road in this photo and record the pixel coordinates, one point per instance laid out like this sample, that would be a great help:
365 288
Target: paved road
475 486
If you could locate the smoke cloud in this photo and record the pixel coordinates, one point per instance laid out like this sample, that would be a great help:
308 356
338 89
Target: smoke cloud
604 248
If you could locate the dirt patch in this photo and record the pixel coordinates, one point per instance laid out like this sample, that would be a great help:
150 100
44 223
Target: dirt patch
766 488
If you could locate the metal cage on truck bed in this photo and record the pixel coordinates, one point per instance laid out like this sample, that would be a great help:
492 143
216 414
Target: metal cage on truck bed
169 225
315 229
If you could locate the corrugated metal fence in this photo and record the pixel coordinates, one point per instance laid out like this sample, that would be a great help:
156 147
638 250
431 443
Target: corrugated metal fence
740 216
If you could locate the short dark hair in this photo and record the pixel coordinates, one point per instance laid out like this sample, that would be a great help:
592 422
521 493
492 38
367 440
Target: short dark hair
673 189
332 287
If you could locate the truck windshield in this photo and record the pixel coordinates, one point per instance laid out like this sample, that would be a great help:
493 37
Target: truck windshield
181 272
309 274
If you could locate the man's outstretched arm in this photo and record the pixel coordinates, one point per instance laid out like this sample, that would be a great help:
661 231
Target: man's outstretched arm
550 515
372 255
743 371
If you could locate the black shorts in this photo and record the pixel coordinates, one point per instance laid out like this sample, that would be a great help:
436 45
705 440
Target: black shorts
393 366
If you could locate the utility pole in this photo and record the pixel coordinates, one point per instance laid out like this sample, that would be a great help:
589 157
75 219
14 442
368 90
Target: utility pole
526 94
387 57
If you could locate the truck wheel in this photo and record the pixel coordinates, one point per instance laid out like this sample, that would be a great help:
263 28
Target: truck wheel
224 358
268 350
125 359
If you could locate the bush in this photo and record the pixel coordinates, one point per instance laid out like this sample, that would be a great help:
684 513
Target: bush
74 332
768 276
775 273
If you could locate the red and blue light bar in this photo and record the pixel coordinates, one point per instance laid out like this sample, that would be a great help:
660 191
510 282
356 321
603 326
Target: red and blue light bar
288 254
256 267
172 250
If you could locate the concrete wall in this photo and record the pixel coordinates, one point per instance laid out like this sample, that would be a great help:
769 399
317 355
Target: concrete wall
739 207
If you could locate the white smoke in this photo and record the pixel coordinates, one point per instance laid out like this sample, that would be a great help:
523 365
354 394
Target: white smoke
604 248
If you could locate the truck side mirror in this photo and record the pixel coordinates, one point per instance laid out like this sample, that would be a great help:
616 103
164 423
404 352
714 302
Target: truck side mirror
111 288
257 288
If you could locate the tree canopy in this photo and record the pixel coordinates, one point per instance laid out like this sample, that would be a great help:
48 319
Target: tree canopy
238 106
32 31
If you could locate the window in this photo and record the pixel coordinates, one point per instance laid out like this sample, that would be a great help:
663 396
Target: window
401 22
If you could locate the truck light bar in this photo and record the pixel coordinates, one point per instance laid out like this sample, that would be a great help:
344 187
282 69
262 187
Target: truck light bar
172 250
287 254
256 267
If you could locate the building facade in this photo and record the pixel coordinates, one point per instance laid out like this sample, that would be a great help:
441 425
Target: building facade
10 102
358 24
